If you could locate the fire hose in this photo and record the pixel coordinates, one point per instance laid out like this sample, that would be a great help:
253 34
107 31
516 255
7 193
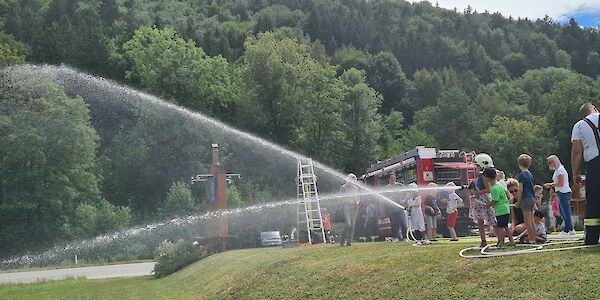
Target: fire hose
533 248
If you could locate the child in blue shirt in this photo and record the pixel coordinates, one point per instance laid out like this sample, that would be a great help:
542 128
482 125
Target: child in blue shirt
526 195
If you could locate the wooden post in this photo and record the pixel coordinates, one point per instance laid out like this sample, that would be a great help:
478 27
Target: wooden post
220 228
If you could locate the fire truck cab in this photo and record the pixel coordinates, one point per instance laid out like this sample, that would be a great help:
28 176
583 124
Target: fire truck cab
422 166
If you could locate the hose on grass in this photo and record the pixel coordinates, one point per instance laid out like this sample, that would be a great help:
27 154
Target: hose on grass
534 249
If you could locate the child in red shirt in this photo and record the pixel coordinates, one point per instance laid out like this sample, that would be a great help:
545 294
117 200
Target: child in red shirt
327 225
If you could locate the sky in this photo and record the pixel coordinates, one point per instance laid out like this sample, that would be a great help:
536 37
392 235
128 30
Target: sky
586 13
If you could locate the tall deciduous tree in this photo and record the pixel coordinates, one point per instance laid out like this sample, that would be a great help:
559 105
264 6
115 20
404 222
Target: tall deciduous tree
452 122
165 64
47 165
509 138
385 75
11 51
179 201
363 123
561 108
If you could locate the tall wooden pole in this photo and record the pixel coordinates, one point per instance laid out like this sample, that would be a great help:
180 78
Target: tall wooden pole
220 228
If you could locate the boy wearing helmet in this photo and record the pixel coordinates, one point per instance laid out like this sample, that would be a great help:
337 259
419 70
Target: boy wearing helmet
479 212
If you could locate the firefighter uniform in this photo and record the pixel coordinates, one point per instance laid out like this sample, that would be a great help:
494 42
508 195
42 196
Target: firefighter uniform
592 198
586 131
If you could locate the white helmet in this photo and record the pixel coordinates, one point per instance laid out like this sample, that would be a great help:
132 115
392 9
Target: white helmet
484 161
414 188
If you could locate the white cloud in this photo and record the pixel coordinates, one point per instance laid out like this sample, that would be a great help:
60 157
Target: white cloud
533 9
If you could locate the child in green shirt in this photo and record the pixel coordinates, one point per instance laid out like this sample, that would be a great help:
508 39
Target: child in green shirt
501 206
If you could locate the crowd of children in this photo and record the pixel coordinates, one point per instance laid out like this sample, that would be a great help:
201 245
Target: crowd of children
512 207
519 198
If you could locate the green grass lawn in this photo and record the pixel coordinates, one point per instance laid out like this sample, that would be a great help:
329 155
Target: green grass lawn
363 271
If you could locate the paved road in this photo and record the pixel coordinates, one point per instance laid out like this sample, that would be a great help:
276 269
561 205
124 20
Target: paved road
111 271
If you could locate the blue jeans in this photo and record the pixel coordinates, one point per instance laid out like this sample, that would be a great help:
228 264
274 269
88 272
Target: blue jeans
564 204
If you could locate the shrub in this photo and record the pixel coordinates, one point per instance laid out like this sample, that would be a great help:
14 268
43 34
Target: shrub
172 257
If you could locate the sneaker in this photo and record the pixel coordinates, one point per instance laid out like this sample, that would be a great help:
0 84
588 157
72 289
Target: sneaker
454 240
572 232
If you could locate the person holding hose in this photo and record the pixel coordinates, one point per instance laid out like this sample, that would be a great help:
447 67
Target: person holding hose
397 214
560 183
350 203
586 142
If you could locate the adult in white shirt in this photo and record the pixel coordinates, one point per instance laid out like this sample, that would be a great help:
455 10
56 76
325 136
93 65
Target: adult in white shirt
560 183
586 141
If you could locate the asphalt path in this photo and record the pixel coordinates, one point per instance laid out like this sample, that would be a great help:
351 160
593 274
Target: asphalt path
98 272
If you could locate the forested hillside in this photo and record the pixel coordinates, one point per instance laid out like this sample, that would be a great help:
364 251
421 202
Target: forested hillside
348 82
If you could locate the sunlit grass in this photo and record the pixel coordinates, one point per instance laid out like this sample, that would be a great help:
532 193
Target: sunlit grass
372 270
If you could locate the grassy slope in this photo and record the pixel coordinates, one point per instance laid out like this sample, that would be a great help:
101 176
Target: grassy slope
374 270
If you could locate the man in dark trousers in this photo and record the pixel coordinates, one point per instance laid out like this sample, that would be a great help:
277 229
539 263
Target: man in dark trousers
350 202
397 215
586 142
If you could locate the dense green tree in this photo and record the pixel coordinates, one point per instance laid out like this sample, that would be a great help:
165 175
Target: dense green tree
428 88
234 198
348 57
509 138
179 202
452 122
48 169
75 33
11 51
538 82
593 62
145 158
362 120
94 219
321 131
502 99
384 74
273 71
275 16
25 21
167 65
396 139
516 63
561 109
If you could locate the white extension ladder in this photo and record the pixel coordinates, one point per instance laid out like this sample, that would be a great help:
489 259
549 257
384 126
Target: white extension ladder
309 209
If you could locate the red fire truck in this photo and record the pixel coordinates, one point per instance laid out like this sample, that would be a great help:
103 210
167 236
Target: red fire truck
422 166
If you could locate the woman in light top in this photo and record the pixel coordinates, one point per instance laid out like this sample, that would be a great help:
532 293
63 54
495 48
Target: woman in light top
560 183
